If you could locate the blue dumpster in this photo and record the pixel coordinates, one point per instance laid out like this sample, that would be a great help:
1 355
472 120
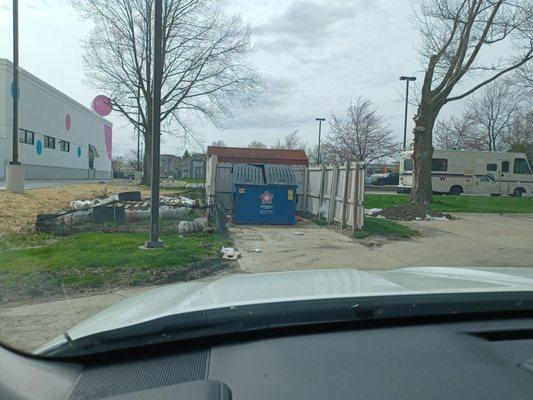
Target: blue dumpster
264 194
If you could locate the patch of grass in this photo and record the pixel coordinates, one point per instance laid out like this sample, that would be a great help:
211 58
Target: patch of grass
96 257
384 227
320 222
468 204
384 200
24 240
480 204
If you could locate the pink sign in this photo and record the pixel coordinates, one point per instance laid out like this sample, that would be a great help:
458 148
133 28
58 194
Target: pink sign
108 134
68 122
102 105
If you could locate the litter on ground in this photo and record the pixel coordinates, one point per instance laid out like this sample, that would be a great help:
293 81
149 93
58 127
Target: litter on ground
372 211
229 253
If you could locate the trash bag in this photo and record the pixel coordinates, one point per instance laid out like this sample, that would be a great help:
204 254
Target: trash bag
190 226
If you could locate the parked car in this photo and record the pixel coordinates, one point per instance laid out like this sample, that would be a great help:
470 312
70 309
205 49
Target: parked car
391 178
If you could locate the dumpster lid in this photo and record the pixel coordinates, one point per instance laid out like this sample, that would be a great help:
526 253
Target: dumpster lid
277 174
247 174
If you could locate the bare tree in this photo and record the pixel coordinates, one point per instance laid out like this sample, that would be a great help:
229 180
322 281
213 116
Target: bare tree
219 143
454 33
291 141
524 80
205 63
486 121
520 130
492 112
328 155
454 133
125 162
118 164
362 135
254 144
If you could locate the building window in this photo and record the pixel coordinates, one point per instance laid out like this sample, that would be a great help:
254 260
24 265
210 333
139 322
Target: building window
407 164
64 145
26 136
492 167
439 164
520 166
49 142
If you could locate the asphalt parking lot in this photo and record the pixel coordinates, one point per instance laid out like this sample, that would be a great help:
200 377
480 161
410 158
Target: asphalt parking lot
472 240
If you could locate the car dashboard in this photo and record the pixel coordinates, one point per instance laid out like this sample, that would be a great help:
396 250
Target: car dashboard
483 359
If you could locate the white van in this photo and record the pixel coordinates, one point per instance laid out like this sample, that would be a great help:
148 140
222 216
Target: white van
472 172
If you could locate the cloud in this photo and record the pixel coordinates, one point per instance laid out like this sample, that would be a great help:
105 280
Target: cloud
271 109
307 24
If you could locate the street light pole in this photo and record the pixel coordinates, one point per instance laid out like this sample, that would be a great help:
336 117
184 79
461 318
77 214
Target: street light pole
14 170
407 79
319 137
156 126
15 87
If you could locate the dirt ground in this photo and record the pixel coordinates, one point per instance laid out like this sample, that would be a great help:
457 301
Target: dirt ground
472 240
18 211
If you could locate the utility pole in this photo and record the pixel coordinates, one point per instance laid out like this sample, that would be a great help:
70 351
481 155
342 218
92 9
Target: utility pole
138 129
320 120
156 126
407 79
15 171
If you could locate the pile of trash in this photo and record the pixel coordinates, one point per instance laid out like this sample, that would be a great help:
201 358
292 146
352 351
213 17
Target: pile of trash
408 212
133 202
116 209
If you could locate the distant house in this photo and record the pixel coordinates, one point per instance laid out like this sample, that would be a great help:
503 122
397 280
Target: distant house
242 155
168 165
192 166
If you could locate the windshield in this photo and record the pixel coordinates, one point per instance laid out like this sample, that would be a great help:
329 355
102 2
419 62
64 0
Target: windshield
199 167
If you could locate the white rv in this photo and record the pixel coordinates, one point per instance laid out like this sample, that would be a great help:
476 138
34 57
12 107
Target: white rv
473 172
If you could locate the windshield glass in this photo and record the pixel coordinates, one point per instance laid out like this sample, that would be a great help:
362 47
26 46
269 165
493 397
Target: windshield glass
162 159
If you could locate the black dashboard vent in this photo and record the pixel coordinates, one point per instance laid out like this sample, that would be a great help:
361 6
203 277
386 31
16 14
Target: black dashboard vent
109 380
500 336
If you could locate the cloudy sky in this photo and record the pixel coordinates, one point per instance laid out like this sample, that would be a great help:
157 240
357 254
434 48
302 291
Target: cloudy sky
315 56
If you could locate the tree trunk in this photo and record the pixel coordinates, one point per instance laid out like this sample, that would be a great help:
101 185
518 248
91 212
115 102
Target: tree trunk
422 190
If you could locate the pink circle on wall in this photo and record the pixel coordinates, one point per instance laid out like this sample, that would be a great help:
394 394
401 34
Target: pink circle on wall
102 105
68 122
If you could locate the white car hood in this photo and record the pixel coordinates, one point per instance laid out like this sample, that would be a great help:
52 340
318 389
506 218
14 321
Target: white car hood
244 289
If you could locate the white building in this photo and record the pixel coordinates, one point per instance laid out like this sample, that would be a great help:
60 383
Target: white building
58 137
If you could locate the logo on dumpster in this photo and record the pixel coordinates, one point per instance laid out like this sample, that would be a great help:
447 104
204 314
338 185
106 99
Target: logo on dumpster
266 198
